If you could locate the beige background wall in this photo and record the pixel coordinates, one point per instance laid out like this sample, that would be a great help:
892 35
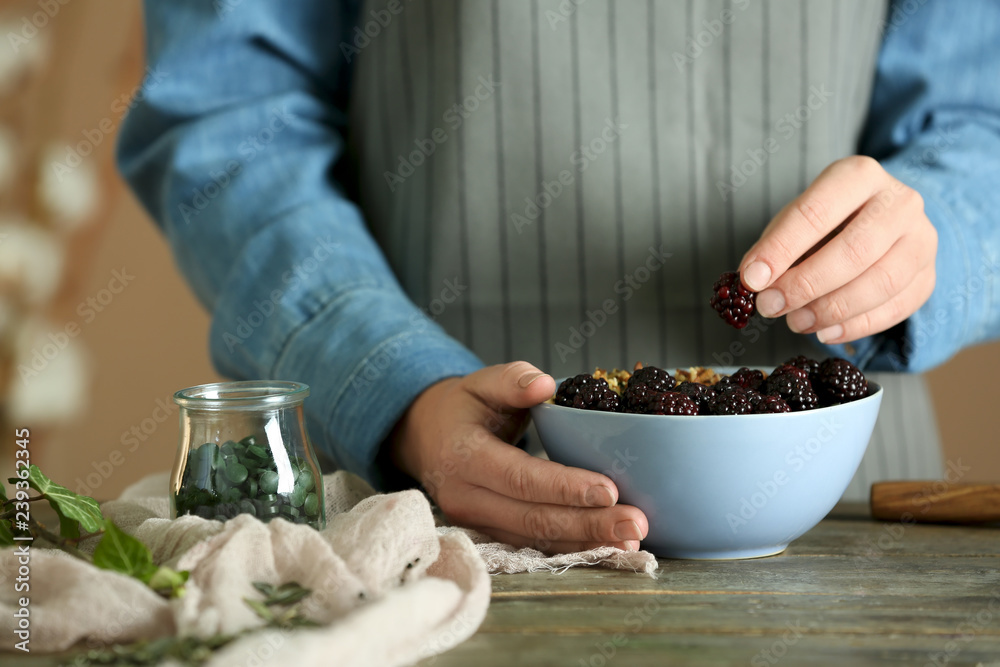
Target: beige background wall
152 338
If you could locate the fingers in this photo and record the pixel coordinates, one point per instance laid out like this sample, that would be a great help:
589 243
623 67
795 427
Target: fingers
557 547
513 473
859 245
552 523
516 385
885 316
877 285
839 191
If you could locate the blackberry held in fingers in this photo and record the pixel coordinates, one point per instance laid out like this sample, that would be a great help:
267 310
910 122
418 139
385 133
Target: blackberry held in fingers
733 301
585 392
839 381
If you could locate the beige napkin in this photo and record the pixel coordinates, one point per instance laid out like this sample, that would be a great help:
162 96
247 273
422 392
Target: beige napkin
389 586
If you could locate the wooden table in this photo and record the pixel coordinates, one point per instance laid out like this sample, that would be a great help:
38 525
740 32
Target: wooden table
850 592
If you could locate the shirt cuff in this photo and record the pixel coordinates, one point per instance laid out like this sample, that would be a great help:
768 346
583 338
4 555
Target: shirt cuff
361 384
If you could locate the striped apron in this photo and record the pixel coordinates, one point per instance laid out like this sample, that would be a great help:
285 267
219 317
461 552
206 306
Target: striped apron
561 181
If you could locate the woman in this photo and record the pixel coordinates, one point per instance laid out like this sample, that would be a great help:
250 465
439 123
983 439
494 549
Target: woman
560 183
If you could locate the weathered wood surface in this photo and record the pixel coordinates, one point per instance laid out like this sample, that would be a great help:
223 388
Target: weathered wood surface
851 591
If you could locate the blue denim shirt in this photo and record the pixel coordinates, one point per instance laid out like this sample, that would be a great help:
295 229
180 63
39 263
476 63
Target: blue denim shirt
232 144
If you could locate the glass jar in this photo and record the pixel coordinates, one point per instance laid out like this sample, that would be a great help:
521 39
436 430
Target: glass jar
244 450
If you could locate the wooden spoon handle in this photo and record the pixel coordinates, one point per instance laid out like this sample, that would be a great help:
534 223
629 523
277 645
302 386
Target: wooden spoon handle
936 502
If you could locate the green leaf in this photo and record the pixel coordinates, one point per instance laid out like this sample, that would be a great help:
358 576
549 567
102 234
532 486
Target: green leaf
288 594
69 528
68 505
3 493
167 580
6 536
120 552
265 588
260 609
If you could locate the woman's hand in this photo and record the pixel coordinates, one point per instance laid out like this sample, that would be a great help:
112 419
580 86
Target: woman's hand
851 256
455 438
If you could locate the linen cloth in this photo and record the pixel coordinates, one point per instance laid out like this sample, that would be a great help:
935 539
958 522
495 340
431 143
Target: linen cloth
389 585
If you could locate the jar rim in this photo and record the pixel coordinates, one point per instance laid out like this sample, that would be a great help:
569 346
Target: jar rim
242 395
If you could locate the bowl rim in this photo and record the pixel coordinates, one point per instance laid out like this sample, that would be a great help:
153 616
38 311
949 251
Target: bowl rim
871 395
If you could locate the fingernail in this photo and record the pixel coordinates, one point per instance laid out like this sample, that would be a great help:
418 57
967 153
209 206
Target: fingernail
528 378
800 320
599 496
631 546
627 531
756 276
770 302
830 333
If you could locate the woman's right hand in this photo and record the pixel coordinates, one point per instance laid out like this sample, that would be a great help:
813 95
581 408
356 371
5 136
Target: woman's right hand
455 439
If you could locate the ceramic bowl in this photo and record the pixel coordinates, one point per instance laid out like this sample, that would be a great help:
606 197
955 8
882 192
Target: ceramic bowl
718 487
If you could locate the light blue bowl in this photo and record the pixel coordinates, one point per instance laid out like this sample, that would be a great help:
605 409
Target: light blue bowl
718 487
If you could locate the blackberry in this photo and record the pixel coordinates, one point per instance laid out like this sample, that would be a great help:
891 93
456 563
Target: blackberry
732 300
585 392
792 385
747 378
637 397
655 378
724 384
839 381
644 384
671 403
699 393
805 363
736 401
786 369
770 404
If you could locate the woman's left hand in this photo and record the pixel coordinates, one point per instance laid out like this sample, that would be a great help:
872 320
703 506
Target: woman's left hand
851 256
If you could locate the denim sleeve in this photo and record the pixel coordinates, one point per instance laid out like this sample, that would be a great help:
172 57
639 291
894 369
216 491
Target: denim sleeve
230 147
934 124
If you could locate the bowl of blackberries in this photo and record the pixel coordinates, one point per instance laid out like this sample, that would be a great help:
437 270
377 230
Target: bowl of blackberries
727 462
